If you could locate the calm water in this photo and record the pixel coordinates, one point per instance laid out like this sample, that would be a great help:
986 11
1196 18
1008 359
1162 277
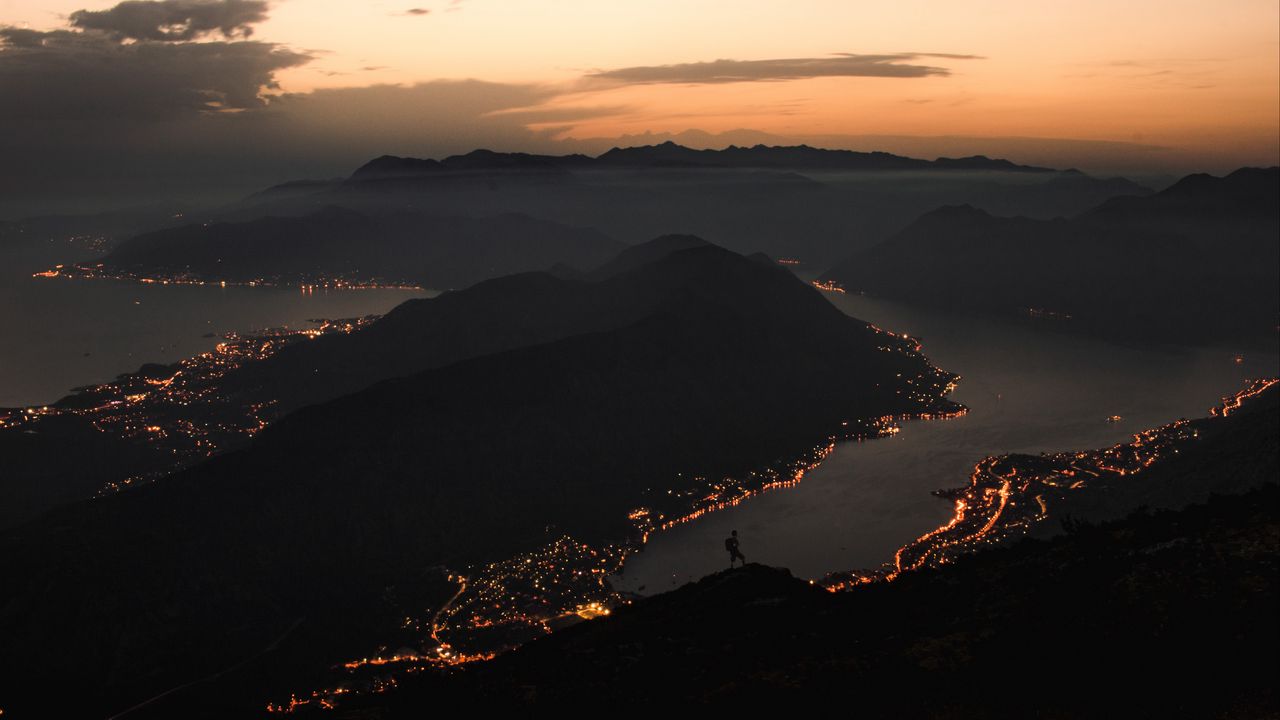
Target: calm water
1028 390
56 334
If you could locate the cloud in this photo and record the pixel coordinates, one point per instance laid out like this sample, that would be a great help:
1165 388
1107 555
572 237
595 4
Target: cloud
897 65
425 119
544 115
165 99
173 20
417 11
947 56
64 76
134 64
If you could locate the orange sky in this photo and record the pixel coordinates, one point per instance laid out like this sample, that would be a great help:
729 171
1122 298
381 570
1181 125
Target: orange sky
1200 77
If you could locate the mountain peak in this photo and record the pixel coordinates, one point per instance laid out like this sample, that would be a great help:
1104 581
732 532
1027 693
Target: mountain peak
952 212
391 165
649 252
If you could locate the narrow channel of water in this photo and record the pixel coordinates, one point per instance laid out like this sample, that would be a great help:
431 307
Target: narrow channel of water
1029 388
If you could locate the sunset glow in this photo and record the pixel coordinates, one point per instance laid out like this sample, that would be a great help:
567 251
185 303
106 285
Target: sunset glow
1142 87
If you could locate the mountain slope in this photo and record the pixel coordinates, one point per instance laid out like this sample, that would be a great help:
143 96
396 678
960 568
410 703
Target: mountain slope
492 316
1196 262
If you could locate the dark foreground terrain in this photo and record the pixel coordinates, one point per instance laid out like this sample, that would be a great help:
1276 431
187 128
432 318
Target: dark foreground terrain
1165 614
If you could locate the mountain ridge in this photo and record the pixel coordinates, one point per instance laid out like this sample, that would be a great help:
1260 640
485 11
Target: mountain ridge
1193 263
670 154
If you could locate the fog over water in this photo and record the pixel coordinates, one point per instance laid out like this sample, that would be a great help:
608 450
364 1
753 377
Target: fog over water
56 334
1030 388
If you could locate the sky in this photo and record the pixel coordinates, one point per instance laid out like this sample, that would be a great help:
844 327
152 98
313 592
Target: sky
112 100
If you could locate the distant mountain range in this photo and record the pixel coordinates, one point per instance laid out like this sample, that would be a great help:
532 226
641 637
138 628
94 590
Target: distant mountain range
450 222
1196 262
540 405
671 155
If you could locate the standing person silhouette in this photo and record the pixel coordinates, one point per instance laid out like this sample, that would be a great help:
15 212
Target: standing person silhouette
731 544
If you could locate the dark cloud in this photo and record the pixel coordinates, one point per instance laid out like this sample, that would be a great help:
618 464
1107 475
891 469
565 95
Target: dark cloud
898 65
118 108
64 76
417 11
174 20
134 64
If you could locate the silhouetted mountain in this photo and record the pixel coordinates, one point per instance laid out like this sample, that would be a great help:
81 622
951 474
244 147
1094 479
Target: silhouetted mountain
1062 194
334 242
1246 193
393 165
1169 614
390 165
982 162
1196 262
326 530
641 255
293 188
493 316
669 154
